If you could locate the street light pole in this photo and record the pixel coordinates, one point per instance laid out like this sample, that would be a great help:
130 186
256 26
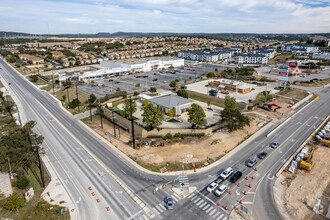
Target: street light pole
100 112
132 121
11 174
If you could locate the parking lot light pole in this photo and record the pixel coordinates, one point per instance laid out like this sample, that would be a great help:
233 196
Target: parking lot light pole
100 109
11 174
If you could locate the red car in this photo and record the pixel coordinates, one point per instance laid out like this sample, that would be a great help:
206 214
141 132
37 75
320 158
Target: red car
193 70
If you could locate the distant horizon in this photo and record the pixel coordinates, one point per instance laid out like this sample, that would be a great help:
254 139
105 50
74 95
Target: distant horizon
194 16
166 32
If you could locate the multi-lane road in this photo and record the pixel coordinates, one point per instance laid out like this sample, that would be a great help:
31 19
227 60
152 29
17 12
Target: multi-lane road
72 150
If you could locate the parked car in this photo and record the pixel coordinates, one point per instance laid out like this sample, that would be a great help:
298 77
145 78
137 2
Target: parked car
220 190
226 173
252 162
262 155
169 202
154 79
212 186
236 176
110 80
116 82
302 75
275 145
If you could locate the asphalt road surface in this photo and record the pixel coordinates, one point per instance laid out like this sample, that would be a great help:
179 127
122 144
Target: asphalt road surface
65 140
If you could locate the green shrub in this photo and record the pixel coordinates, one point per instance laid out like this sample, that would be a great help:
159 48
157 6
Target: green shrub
168 136
14 184
194 134
154 136
23 182
14 202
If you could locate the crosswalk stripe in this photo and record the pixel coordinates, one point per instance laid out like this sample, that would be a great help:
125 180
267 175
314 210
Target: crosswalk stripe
140 218
155 210
159 209
198 198
194 198
191 195
203 204
208 205
176 196
213 211
220 217
145 217
207 211
200 202
216 214
162 207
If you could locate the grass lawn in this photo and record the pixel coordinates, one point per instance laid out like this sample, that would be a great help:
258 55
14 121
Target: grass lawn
83 97
280 58
202 99
36 208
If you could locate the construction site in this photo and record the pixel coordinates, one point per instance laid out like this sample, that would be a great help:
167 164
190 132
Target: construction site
305 184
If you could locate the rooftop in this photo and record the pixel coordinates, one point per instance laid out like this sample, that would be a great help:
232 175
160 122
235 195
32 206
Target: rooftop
170 101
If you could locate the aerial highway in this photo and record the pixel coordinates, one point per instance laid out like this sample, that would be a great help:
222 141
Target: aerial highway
81 160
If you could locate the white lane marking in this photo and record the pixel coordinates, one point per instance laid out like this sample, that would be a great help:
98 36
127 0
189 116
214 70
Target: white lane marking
155 210
133 216
207 211
198 198
203 204
208 205
213 211
145 217
207 198
191 195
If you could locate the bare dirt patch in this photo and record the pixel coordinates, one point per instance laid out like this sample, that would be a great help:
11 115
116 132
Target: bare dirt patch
304 187
192 151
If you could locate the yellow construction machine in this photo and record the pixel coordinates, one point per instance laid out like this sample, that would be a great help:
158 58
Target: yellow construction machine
307 164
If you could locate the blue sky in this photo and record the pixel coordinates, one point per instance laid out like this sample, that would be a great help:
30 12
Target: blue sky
212 16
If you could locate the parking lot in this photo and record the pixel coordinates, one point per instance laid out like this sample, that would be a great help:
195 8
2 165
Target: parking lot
128 83
156 78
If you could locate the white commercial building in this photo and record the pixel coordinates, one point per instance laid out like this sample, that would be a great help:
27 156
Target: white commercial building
115 69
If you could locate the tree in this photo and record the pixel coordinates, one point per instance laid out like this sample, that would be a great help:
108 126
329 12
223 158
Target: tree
210 75
118 89
74 103
91 99
152 116
137 85
7 106
136 93
23 182
144 103
124 94
216 70
196 115
33 78
173 84
14 202
260 98
232 117
127 107
153 89
171 113
183 93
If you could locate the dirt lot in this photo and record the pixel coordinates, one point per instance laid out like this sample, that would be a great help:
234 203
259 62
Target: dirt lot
284 100
316 84
191 151
304 187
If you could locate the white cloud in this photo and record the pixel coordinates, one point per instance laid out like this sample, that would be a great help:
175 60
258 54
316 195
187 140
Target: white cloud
90 16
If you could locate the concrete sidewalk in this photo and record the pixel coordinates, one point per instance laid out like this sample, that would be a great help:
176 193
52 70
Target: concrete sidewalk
5 185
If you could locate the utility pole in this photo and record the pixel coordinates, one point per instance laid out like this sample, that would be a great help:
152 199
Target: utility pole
11 174
39 159
19 117
67 92
77 95
100 110
132 121
114 125
90 109
53 83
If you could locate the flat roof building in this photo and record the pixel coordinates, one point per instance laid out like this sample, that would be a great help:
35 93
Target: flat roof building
177 103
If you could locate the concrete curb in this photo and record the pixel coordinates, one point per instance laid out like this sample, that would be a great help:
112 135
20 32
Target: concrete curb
176 173
288 119
301 146
302 101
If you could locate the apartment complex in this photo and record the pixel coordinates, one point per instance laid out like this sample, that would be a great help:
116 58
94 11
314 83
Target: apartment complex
299 49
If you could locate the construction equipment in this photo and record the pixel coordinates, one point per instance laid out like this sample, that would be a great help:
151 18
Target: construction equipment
213 92
268 107
306 163
326 143
155 143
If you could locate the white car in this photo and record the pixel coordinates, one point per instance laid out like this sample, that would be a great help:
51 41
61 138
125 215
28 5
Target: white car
212 186
220 190
225 174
